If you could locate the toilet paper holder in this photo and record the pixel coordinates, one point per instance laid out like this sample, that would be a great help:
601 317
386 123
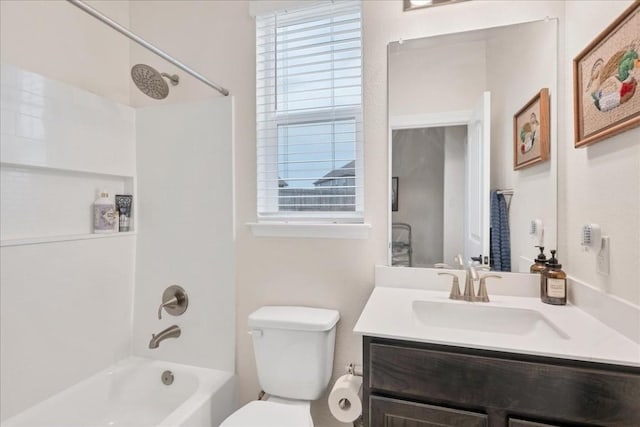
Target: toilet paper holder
354 369
351 369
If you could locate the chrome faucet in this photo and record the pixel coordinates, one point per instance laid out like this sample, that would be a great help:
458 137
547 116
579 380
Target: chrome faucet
171 332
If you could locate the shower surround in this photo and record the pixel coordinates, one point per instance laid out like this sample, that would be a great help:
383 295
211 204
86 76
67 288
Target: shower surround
67 295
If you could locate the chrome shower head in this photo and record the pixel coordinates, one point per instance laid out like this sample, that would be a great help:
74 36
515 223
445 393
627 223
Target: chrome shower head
150 82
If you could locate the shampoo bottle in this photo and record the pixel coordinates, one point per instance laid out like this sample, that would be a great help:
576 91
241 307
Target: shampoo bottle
554 282
104 214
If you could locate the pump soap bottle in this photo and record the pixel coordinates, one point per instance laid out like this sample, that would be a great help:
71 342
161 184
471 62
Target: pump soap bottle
540 262
554 282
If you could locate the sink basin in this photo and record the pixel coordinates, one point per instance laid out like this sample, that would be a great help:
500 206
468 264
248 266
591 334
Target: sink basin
484 318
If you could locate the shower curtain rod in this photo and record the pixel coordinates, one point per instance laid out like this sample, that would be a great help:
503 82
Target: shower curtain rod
142 42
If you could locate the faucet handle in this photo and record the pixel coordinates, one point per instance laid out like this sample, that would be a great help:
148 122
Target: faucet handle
483 296
171 303
174 300
459 261
441 265
455 285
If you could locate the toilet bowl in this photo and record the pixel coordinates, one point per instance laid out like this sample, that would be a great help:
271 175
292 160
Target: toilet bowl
294 349
271 413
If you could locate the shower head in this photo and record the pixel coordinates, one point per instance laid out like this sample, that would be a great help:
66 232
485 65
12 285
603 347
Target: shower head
151 82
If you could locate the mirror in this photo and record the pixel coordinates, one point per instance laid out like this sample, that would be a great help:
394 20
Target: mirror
454 189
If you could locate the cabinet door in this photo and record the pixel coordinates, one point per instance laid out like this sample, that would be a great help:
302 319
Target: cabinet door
586 394
514 422
385 412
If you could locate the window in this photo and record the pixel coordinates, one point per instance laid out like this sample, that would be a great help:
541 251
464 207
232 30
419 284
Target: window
309 114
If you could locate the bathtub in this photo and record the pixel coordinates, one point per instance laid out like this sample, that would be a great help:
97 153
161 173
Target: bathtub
131 394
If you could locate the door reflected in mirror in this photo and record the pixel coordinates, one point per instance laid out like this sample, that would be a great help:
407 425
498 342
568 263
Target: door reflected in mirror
452 100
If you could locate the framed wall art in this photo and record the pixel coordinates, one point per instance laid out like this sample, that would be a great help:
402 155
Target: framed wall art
531 132
408 5
394 194
605 81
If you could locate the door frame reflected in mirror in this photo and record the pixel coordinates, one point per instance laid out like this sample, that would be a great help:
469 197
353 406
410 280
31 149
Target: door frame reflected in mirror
437 120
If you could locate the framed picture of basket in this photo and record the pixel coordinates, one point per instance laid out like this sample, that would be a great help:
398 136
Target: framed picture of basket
605 81
531 132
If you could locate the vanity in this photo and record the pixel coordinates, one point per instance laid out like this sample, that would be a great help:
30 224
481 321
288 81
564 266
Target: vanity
419 384
431 361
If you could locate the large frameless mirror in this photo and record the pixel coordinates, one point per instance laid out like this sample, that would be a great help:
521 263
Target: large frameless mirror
473 163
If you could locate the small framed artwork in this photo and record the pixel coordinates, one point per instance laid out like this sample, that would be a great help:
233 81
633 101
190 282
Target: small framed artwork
605 81
531 132
394 194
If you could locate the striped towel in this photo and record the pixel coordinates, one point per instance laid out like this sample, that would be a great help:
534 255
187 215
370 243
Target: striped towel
500 236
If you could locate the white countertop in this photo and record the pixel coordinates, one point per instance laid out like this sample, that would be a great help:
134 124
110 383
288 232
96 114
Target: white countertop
389 314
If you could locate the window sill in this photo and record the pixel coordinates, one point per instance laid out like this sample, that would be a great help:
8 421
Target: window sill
317 231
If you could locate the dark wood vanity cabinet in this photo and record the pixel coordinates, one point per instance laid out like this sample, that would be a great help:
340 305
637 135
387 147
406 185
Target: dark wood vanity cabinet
409 384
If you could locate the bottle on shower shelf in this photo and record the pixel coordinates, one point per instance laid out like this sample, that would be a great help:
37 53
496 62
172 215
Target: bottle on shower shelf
104 214
123 204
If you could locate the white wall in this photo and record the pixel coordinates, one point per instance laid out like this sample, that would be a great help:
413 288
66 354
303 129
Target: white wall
185 230
512 85
59 41
601 183
420 85
209 36
418 162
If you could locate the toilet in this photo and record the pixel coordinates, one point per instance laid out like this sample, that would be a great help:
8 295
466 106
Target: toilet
293 347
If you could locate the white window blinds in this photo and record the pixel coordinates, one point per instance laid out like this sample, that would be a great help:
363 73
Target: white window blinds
309 113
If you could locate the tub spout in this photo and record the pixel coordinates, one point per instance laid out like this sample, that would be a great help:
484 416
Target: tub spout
171 332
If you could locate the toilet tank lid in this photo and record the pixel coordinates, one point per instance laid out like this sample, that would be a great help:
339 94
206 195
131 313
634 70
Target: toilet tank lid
294 318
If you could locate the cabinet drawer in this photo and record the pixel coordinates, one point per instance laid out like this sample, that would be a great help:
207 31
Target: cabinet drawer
538 390
514 422
387 412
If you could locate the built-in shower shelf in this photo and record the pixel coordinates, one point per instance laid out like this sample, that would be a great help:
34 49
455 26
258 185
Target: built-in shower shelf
67 171
69 238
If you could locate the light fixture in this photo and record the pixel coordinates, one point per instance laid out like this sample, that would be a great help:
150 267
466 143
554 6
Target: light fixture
418 4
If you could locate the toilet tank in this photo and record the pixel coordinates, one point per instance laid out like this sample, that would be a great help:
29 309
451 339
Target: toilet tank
294 347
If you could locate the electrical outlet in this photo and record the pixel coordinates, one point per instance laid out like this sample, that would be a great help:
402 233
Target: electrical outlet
603 257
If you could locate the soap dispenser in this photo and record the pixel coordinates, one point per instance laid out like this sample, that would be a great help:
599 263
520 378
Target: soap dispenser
553 282
540 263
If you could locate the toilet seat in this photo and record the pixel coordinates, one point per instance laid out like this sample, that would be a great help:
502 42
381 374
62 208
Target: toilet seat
271 413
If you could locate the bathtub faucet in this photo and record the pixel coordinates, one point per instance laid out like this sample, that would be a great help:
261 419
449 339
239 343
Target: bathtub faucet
171 332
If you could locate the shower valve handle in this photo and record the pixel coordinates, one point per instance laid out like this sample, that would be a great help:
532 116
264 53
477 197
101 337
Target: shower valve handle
174 301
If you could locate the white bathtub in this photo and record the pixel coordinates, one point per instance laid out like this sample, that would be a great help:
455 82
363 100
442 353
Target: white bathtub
131 394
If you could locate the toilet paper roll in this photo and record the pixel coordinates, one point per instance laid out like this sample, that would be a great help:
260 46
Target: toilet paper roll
345 399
